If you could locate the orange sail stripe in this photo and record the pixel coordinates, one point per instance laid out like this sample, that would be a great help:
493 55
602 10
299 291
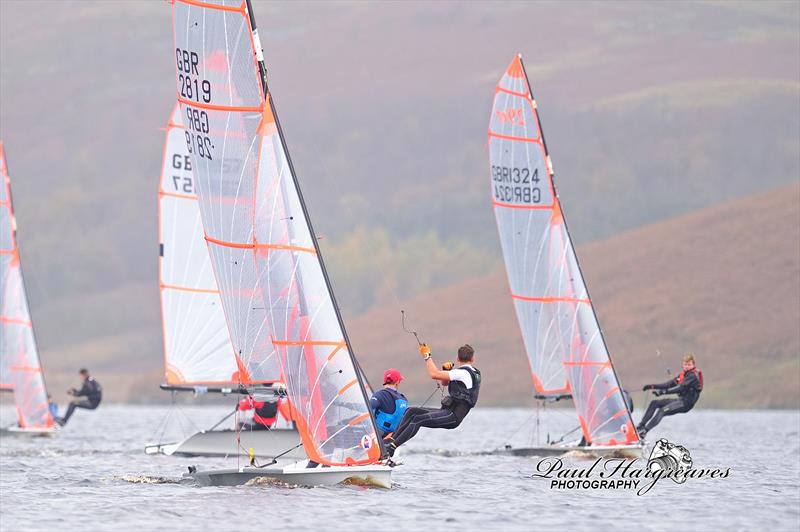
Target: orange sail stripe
187 289
15 321
515 93
308 342
28 369
333 354
213 107
551 299
346 386
359 419
510 137
238 245
586 363
514 206
181 196
198 3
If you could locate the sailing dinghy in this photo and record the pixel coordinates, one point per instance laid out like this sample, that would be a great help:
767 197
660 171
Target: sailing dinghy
563 340
198 356
272 281
20 369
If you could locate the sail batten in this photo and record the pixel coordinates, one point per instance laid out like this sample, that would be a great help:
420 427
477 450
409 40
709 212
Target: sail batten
20 368
280 310
563 340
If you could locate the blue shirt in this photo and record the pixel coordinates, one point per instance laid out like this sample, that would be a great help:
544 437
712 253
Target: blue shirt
384 400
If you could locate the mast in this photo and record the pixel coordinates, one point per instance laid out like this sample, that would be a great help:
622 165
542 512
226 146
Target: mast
263 73
549 164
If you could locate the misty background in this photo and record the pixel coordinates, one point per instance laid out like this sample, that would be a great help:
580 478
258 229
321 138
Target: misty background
651 111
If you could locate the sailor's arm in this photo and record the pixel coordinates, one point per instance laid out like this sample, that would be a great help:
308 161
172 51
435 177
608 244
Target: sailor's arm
663 386
434 372
689 380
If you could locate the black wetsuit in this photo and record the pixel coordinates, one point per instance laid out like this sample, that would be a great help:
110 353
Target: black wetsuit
449 416
92 394
687 385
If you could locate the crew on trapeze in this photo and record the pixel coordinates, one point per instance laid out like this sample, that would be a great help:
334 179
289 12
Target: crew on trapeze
265 413
687 385
388 405
463 386
89 396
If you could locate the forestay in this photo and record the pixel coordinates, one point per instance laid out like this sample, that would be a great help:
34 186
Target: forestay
271 279
19 360
197 349
565 346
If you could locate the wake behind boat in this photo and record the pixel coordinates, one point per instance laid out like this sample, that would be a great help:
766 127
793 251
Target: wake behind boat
272 281
563 340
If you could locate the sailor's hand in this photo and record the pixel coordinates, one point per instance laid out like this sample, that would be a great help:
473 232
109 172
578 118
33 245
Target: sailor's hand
447 366
647 387
424 350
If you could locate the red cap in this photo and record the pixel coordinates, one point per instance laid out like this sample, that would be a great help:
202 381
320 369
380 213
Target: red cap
392 376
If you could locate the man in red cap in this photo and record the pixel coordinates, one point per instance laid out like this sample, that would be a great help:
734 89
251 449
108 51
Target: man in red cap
388 404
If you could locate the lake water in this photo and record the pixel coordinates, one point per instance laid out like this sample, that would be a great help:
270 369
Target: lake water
95 476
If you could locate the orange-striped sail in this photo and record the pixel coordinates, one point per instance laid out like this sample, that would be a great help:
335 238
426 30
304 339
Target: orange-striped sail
563 340
197 349
277 299
20 369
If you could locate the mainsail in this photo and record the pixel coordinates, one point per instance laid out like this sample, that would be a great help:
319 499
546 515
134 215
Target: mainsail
20 369
197 349
273 285
562 337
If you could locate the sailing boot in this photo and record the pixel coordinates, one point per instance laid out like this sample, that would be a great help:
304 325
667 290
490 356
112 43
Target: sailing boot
390 447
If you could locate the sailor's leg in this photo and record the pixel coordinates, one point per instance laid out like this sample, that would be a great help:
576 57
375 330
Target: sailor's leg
434 418
672 406
76 403
651 410
409 415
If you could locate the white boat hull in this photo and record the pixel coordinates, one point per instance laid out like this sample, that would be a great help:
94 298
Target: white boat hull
265 444
297 474
27 432
588 451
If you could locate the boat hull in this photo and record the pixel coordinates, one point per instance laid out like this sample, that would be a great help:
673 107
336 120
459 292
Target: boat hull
604 451
29 433
265 444
297 475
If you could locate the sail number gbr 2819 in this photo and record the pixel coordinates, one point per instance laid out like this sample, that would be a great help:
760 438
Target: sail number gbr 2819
516 185
197 140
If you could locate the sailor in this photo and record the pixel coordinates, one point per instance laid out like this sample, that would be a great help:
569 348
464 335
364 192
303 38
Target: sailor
463 386
52 406
687 385
265 413
388 405
88 397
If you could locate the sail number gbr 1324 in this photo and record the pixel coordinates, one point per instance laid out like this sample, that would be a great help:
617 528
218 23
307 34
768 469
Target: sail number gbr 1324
516 185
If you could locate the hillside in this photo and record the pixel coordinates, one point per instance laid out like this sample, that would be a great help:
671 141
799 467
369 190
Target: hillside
723 282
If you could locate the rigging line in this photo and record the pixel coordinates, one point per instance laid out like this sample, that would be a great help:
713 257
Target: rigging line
403 323
521 426
438 388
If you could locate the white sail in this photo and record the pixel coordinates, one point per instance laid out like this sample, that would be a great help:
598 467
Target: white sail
20 369
278 304
563 340
197 349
